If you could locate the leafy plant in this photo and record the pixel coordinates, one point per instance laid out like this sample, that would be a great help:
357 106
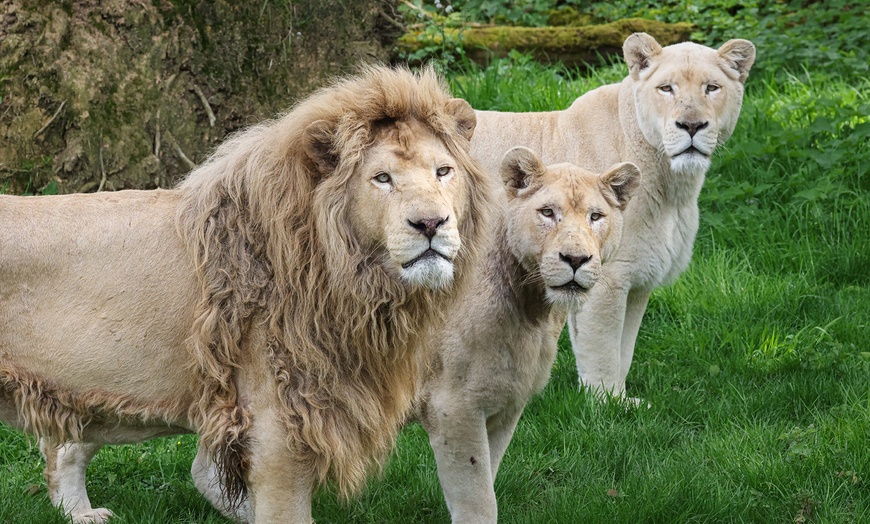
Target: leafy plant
439 27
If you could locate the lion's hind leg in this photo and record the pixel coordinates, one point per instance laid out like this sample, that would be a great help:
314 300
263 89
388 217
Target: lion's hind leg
65 469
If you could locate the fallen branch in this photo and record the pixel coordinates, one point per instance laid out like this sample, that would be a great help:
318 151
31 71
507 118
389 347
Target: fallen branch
208 111
102 167
157 137
178 151
50 120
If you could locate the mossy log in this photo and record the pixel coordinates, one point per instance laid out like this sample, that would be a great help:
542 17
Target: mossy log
573 46
117 94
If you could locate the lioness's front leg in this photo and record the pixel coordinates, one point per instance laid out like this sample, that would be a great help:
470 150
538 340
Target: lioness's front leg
500 430
596 334
65 469
459 439
634 310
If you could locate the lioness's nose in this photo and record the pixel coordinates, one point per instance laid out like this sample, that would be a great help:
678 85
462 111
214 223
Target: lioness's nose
575 261
428 226
692 127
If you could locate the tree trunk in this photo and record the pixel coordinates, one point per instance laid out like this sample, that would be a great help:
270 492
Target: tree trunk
114 94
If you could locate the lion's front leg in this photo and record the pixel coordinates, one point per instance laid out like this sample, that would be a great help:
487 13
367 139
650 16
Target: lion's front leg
65 469
634 310
500 430
596 333
280 485
459 439
208 483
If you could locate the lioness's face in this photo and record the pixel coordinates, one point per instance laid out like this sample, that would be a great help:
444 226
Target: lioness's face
688 96
564 221
406 198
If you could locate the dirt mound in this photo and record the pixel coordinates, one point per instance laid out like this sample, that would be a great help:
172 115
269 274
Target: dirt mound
120 94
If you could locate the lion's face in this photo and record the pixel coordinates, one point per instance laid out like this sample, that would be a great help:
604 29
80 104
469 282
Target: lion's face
687 96
405 197
563 221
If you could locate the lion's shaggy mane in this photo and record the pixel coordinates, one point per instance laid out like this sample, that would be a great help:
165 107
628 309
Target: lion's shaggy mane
271 241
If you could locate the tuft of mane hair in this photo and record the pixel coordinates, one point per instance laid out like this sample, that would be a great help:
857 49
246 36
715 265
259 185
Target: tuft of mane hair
276 262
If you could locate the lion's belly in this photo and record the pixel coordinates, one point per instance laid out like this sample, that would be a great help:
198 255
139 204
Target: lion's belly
96 294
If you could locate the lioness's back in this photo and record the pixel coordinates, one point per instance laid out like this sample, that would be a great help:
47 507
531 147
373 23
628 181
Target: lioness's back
585 134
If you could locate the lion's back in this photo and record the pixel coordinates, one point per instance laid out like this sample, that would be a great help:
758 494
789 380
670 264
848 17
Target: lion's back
95 290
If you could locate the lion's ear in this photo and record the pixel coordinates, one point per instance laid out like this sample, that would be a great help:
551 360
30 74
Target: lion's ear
519 167
464 115
638 49
738 55
318 142
622 181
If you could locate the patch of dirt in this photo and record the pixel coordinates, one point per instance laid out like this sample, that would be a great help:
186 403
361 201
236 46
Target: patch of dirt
131 94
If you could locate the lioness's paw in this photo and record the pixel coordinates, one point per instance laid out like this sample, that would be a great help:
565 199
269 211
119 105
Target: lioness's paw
636 402
92 516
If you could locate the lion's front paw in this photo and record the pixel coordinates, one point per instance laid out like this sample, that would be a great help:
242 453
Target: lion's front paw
91 516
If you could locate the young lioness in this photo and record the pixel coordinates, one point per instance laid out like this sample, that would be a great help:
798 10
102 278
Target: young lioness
560 223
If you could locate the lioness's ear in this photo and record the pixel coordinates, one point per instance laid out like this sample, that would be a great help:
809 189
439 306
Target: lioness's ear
622 180
738 55
638 49
466 120
519 167
318 140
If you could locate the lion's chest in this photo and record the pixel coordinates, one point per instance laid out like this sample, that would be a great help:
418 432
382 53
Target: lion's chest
659 246
526 357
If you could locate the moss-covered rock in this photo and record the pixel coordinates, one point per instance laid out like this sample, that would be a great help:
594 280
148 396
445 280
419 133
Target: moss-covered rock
123 94
573 46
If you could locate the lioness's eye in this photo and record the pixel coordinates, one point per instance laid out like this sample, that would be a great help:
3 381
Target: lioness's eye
546 212
443 171
712 88
665 88
595 217
383 178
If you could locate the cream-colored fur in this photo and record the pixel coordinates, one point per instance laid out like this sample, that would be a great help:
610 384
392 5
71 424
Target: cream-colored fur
667 117
272 303
499 343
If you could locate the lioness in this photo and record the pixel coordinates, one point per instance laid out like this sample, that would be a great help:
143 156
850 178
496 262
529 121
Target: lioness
668 116
271 303
499 343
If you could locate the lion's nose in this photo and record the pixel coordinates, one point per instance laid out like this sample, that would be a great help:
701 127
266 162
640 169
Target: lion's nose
574 261
428 226
692 127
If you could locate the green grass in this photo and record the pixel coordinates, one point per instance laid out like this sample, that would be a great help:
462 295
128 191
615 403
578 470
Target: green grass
756 361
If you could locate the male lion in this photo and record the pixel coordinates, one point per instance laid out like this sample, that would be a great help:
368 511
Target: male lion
667 117
270 303
499 343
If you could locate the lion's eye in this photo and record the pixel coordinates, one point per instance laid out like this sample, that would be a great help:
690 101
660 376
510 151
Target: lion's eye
443 171
383 178
712 88
546 212
595 217
665 88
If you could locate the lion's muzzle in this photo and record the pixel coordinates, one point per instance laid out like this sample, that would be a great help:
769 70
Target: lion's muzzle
427 250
